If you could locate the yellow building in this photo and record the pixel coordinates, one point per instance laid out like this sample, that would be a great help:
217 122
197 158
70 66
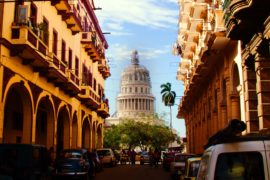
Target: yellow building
224 49
52 73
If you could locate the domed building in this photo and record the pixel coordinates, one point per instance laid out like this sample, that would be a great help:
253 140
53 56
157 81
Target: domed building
135 98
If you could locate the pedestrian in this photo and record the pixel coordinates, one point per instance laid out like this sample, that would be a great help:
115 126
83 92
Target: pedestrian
156 157
133 155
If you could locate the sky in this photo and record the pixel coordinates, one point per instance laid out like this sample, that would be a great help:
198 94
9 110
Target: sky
150 27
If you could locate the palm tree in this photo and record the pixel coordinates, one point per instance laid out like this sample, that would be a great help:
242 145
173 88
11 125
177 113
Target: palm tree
168 98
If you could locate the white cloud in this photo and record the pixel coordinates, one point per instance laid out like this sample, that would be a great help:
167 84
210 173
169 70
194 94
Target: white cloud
122 52
150 13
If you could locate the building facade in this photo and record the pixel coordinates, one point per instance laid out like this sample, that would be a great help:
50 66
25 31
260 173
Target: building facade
135 99
224 49
52 73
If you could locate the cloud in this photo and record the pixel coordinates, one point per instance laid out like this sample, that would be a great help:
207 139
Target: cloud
150 13
123 52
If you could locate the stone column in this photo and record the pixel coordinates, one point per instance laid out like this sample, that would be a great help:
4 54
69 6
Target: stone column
262 68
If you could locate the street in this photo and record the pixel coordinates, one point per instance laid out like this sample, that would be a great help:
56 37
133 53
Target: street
133 172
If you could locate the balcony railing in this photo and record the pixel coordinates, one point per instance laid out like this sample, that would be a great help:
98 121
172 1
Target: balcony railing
103 110
73 83
29 46
104 68
89 97
92 46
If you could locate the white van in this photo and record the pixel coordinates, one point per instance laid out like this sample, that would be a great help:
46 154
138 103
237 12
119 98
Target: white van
229 156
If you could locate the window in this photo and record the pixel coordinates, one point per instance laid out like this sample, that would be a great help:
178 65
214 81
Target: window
77 66
55 37
240 165
136 89
69 59
130 90
63 52
95 84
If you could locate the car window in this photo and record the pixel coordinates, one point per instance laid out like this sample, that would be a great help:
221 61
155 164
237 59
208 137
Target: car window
103 152
240 166
72 155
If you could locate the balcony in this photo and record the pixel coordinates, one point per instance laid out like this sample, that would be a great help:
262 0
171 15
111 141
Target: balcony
73 84
69 14
62 6
103 110
56 72
104 68
89 97
29 46
243 17
92 46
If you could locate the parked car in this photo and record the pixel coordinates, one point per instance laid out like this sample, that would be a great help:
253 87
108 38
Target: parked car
145 157
229 155
191 168
177 166
168 157
23 161
74 163
107 156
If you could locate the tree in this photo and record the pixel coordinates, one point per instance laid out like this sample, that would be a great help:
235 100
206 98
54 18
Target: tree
112 137
168 98
132 133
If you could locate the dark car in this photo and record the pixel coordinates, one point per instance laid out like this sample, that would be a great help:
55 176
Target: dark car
145 157
74 163
168 157
23 161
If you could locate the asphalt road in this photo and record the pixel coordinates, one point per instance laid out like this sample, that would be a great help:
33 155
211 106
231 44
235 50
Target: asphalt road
133 172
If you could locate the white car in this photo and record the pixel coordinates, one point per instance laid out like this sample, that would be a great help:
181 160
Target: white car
107 156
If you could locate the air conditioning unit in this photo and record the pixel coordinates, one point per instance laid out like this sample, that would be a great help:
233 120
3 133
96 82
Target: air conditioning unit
22 14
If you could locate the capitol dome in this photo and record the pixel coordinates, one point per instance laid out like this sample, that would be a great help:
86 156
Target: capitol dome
135 96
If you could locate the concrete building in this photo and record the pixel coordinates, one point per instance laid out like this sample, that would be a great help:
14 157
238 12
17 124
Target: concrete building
52 73
224 49
135 99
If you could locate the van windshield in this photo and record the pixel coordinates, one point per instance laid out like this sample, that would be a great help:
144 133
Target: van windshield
240 166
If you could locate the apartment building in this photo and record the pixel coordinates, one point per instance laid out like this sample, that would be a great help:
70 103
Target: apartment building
224 49
52 73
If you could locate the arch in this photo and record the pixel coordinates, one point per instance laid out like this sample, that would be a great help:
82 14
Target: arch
18 112
45 121
74 141
235 98
63 129
86 134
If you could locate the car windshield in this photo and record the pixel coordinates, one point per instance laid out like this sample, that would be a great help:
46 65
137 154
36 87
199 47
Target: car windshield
103 152
72 154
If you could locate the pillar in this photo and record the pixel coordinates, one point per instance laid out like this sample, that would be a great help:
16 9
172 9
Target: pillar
262 68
